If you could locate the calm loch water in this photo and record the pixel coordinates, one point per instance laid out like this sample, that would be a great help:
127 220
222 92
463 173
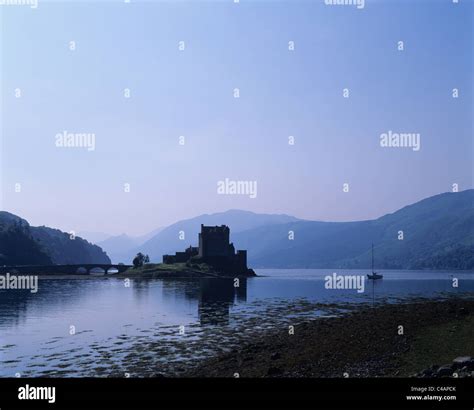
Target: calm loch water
100 327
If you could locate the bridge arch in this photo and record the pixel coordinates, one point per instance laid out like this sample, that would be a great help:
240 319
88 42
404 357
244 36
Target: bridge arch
97 271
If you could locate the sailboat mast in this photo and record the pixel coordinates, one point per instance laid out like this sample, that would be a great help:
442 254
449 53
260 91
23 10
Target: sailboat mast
372 258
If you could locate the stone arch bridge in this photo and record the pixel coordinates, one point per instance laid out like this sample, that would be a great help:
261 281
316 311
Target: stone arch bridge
80 269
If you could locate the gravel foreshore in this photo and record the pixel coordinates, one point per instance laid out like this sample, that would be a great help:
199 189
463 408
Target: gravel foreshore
391 340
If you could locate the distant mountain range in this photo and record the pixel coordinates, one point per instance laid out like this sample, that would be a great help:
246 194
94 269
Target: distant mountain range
168 240
435 233
438 233
123 247
22 244
93 237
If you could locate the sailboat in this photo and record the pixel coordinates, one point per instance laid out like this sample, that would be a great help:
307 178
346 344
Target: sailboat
374 275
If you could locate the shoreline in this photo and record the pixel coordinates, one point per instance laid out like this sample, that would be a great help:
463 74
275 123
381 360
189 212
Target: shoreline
329 340
149 271
367 342
180 271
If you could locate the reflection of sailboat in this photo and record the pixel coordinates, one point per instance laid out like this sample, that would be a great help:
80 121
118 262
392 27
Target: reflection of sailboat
374 275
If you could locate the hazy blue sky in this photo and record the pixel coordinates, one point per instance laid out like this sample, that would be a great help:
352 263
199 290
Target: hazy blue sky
190 93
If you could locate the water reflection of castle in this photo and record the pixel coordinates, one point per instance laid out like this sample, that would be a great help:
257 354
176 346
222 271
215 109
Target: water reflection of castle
214 296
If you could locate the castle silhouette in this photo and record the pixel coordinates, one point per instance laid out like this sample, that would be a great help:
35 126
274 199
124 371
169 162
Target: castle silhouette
214 249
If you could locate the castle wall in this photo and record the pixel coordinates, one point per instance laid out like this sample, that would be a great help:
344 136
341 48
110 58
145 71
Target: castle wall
180 257
214 249
241 259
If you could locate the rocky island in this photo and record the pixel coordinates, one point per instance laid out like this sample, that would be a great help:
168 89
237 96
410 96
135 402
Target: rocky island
214 257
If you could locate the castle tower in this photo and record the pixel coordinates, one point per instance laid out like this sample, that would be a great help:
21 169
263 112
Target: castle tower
214 241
